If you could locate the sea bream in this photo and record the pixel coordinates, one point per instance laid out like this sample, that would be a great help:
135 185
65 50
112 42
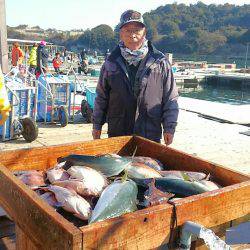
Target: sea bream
87 181
118 198
50 198
106 164
57 173
32 178
70 201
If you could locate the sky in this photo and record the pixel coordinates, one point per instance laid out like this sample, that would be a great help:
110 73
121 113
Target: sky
83 14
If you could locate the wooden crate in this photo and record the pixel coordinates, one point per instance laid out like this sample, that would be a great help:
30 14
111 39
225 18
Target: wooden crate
38 226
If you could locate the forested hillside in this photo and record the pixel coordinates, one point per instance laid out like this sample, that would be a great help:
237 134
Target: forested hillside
185 29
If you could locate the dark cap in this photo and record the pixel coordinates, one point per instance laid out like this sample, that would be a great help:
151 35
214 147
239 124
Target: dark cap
130 16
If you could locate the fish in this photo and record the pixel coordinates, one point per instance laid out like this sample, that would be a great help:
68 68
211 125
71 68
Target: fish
32 178
71 202
150 162
21 172
118 198
184 175
87 181
154 196
140 170
57 173
50 198
179 187
210 185
107 165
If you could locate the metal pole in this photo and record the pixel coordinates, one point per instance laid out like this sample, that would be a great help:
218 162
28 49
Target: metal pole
3 38
246 56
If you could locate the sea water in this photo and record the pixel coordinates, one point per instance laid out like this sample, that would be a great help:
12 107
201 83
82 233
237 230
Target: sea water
218 94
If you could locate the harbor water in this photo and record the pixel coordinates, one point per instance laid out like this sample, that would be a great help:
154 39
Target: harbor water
218 94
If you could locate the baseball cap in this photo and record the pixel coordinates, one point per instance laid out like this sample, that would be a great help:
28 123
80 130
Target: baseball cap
130 16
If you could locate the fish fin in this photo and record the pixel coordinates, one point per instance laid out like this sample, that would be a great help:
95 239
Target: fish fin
186 177
125 176
134 153
58 204
208 177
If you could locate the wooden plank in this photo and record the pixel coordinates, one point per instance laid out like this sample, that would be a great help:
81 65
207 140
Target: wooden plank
23 241
210 209
143 229
45 227
178 160
44 157
217 207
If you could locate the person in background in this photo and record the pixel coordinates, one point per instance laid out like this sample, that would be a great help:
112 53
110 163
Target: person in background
57 62
42 59
107 54
32 62
65 53
83 55
136 91
17 55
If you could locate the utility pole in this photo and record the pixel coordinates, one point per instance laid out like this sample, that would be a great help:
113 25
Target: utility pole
3 38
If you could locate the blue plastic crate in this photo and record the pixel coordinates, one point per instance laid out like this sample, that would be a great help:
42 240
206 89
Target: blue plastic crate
90 96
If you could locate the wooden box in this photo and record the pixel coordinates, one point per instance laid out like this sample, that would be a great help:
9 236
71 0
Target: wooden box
38 226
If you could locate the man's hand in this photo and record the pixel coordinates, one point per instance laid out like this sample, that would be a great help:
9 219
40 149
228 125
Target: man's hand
168 138
96 134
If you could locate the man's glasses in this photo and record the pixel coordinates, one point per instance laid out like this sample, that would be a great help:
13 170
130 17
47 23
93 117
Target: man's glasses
133 31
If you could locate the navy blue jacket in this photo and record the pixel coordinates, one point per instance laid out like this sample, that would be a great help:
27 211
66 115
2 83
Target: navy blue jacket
155 107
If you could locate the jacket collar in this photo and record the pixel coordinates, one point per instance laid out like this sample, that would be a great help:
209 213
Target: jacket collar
156 54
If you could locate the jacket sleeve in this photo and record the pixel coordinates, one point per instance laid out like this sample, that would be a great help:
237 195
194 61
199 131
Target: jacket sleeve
101 100
170 107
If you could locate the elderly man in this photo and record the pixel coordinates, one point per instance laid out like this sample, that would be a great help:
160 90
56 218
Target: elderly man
136 92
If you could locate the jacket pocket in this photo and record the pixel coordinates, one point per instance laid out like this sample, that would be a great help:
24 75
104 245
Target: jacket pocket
153 126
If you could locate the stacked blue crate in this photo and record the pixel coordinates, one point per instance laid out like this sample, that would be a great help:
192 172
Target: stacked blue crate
59 97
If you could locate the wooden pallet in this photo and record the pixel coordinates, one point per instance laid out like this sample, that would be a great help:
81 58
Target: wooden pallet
38 226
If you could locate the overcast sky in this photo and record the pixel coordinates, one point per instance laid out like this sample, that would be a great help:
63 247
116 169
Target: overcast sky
83 14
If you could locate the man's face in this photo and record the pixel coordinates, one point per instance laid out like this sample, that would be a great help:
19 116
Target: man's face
133 34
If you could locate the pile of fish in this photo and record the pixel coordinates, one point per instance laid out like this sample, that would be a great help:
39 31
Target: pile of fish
95 188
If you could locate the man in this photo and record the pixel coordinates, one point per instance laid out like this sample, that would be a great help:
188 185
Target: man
57 62
42 58
17 55
33 59
136 92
